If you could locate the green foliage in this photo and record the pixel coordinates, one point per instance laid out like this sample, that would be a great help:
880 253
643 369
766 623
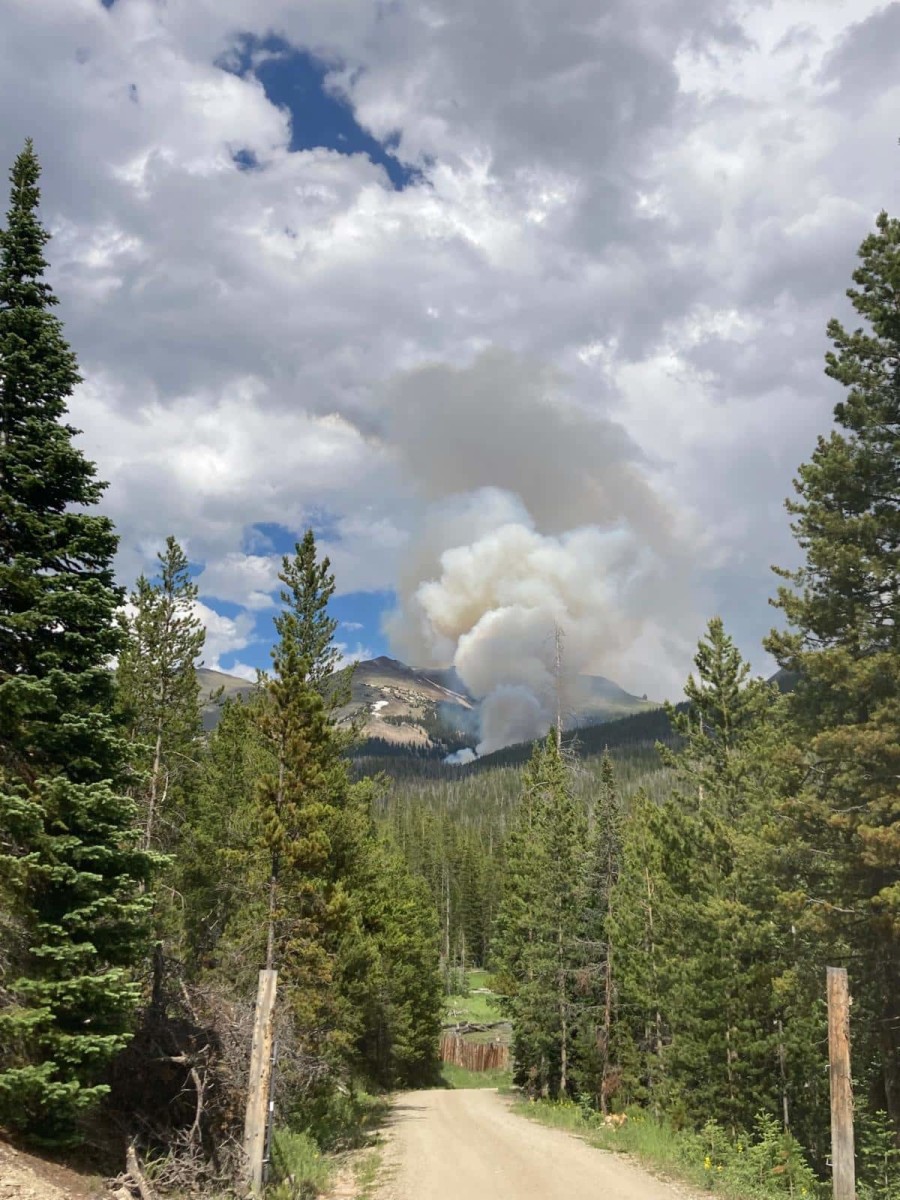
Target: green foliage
340 1119
765 1165
69 864
878 1157
283 863
453 1076
299 1171
843 643
158 692
537 951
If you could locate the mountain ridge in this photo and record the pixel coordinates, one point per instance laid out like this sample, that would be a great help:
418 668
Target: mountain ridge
427 708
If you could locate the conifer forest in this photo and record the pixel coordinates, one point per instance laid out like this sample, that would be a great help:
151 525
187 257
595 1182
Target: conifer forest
655 900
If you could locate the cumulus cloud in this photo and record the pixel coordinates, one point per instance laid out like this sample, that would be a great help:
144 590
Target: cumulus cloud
608 289
224 635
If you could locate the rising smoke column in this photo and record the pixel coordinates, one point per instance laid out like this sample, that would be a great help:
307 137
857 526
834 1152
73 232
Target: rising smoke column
538 517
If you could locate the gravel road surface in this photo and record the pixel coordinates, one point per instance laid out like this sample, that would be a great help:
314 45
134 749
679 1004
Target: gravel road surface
467 1145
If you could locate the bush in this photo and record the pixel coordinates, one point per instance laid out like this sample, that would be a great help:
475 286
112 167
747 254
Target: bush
337 1118
878 1156
768 1165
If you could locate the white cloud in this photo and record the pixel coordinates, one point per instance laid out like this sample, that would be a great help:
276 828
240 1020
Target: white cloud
655 209
224 635
243 671
348 655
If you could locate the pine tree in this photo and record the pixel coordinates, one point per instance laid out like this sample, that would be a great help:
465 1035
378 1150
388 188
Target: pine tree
387 970
221 868
844 645
724 706
67 846
298 802
721 1006
536 946
596 1072
657 870
158 688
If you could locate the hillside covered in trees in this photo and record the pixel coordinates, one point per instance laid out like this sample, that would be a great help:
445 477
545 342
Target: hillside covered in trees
656 899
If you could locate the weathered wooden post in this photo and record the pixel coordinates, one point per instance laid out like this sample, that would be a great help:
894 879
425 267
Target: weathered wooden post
260 1081
843 1167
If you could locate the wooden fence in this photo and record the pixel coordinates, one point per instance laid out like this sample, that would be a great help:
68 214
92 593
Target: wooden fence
474 1056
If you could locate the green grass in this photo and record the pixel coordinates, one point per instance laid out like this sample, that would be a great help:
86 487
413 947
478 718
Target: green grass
458 1077
478 1007
366 1172
767 1166
299 1169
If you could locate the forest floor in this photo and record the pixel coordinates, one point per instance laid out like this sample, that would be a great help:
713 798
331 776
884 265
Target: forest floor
469 1145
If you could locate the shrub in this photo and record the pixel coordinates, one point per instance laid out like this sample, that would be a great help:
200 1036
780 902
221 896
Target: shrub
298 1170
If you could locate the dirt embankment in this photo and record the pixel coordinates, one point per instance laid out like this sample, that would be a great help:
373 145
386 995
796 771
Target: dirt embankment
24 1176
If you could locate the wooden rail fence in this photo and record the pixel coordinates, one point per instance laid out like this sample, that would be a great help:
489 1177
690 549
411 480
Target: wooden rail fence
474 1056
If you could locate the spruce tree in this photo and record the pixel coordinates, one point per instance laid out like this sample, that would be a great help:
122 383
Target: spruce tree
221 869
596 1072
724 706
67 843
843 643
298 801
536 945
158 689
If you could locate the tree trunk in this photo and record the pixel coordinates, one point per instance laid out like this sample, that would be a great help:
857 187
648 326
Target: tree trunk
154 786
563 1020
607 1027
273 878
657 1035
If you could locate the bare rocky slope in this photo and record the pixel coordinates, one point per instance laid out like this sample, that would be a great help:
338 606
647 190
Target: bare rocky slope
425 709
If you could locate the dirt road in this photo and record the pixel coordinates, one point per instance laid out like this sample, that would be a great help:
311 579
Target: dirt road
468 1145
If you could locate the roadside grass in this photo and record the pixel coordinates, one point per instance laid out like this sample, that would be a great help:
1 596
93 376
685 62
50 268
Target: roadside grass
453 1076
766 1166
326 1142
478 1007
366 1172
299 1169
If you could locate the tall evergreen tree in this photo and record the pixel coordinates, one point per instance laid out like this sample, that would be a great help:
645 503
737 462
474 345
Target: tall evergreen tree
286 867
298 801
843 642
596 1072
724 708
67 843
158 688
537 950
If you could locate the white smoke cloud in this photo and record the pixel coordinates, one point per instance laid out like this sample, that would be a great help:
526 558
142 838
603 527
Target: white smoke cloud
496 604
575 539
461 758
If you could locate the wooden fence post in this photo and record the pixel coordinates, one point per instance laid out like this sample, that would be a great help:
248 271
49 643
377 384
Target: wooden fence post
843 1167
260 1081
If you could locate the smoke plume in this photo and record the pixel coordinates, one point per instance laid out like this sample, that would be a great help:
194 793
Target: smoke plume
539 517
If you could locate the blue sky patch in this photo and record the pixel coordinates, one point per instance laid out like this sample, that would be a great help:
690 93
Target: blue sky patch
295 79
365 609
359 615
245 160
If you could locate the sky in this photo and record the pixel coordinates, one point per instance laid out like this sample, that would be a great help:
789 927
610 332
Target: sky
521 307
